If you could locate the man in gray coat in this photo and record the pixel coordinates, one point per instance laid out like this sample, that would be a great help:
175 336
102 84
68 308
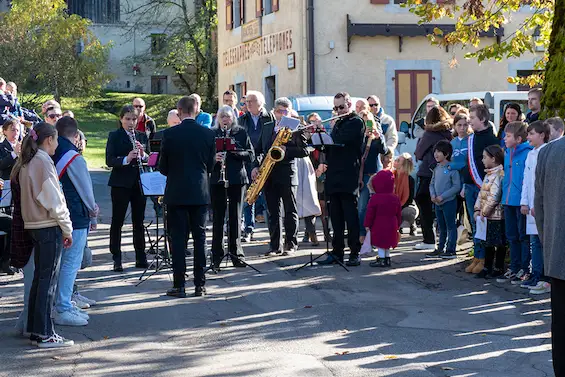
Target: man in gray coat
549 209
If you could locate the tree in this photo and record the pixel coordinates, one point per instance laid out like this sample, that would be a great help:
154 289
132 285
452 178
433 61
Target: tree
553 101
188 44
474 17
47 51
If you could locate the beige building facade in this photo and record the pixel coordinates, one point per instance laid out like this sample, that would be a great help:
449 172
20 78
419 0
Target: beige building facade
361 46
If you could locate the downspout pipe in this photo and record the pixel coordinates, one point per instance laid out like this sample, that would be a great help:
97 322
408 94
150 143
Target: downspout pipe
311 49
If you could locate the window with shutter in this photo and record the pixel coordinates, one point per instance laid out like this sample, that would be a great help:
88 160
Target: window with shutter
243 88
258 8
236 13
229 14
242 11
275 5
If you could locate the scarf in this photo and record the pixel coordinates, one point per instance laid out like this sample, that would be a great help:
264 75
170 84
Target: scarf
401 186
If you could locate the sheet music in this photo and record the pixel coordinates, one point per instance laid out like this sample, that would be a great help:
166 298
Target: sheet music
327 139
153 184
481 233
289 122
6 195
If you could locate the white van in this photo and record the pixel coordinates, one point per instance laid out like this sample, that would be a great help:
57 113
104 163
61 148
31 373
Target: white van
496 101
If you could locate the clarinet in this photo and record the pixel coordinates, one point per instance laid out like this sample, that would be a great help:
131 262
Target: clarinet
131 135
223 163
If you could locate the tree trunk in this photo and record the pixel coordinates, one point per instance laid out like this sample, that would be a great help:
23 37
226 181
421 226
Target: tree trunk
553 100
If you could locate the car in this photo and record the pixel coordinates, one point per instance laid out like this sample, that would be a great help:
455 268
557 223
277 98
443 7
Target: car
323 105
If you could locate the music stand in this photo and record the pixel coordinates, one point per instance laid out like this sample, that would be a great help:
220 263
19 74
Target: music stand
154 188
321 145
222 146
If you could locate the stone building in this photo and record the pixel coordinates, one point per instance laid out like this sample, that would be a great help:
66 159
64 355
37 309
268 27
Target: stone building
294 47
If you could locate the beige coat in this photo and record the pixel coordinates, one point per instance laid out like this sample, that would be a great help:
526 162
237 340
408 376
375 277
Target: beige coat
488 202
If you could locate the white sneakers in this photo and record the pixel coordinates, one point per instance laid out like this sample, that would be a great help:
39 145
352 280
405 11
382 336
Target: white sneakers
425 246
54 341
541 288
69 318
78 297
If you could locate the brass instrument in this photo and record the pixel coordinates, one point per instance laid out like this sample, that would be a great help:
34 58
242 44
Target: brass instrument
274 155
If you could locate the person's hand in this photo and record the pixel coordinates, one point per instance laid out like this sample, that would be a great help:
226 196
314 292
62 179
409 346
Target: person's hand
18 148
361 185
433 198
1 184
524 210
462 193
254 173
439 199
323 168
67 241
131 156
140 148
93 227
220 156
533 213
96 210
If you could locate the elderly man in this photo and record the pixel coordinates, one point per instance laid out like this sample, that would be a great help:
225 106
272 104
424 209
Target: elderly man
253 121
342 181
387 123
202 118
173 118
361 105
144 122
549 208
281 185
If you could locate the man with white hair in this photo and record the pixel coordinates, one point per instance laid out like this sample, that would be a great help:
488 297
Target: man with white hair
387 122
253 121
202 118
282 184
173 118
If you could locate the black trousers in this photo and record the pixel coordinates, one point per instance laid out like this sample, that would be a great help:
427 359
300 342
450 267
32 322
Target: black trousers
558 325
275 195
182 220
493 253
219 204
121 198
424 202
343 209
5 226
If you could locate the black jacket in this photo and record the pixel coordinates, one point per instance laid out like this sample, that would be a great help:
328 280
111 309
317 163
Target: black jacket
188 153
284 172
425 149
236 173
254 132
344 160
7 162
119 145
481 140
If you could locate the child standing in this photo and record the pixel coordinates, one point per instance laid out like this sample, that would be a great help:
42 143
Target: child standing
383 217
538 136
488 206
460 144
444 187
517 150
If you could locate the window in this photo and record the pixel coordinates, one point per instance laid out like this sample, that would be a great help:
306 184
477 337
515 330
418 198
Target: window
158 84
158 43
98 11
238 13
265 7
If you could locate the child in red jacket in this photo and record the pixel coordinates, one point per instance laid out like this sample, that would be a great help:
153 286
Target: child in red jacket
384 216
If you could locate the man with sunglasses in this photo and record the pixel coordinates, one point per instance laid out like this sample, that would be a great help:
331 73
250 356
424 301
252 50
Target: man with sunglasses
342 180
53 114
144 122
387 122
282 183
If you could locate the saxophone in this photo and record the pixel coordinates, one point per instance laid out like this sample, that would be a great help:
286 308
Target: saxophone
274 155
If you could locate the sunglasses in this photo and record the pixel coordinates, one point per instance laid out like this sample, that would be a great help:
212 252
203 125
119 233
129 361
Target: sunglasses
375 105
340 107
282 111
453 113
138 106
55 116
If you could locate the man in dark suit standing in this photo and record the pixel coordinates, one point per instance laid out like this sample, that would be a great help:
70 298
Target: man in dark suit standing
342 181
282 182
187 157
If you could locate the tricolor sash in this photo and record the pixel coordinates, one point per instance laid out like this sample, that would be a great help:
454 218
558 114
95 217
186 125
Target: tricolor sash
472 164
65 161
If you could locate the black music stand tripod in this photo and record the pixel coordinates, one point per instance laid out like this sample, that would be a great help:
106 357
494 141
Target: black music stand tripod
228 253
322 148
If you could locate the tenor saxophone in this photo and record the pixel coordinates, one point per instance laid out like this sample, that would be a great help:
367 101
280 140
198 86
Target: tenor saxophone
274 155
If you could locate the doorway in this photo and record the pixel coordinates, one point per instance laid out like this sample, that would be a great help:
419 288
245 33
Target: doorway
410 88
270 91
158 84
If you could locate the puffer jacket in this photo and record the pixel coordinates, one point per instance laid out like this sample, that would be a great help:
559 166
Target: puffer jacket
425 148
488 202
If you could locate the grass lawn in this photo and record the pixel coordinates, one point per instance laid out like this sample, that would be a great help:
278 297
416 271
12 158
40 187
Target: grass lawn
98 116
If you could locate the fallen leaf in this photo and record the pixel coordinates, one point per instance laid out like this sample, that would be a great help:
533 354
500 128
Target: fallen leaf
391 357
342 353
308 307
106 337
56 358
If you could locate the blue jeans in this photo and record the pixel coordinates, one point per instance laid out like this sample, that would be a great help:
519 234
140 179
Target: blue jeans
70 264
28 281
362 203
446 215
471 195
537 256
249 212
515 224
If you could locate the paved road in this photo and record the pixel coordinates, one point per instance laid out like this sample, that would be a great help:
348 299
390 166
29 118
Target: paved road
421 318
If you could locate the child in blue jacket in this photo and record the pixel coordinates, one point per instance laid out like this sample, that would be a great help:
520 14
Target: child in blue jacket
517 150
460 143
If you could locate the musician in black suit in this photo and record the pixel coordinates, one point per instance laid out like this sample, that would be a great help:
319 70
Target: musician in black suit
282 182
188 154
236 176
125 185
342 180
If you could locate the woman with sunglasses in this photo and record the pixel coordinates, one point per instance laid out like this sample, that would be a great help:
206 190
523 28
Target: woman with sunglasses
53 114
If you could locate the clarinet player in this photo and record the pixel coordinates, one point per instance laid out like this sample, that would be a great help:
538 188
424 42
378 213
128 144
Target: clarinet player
124 156
230 168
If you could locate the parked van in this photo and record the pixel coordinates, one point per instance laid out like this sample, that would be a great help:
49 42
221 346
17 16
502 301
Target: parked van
496 101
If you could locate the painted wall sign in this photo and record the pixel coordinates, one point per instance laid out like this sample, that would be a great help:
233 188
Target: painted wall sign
267 45
251 30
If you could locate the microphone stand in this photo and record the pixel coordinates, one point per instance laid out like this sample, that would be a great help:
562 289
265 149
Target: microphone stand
322 149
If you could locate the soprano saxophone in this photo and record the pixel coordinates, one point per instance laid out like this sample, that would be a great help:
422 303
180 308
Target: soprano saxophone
274 155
